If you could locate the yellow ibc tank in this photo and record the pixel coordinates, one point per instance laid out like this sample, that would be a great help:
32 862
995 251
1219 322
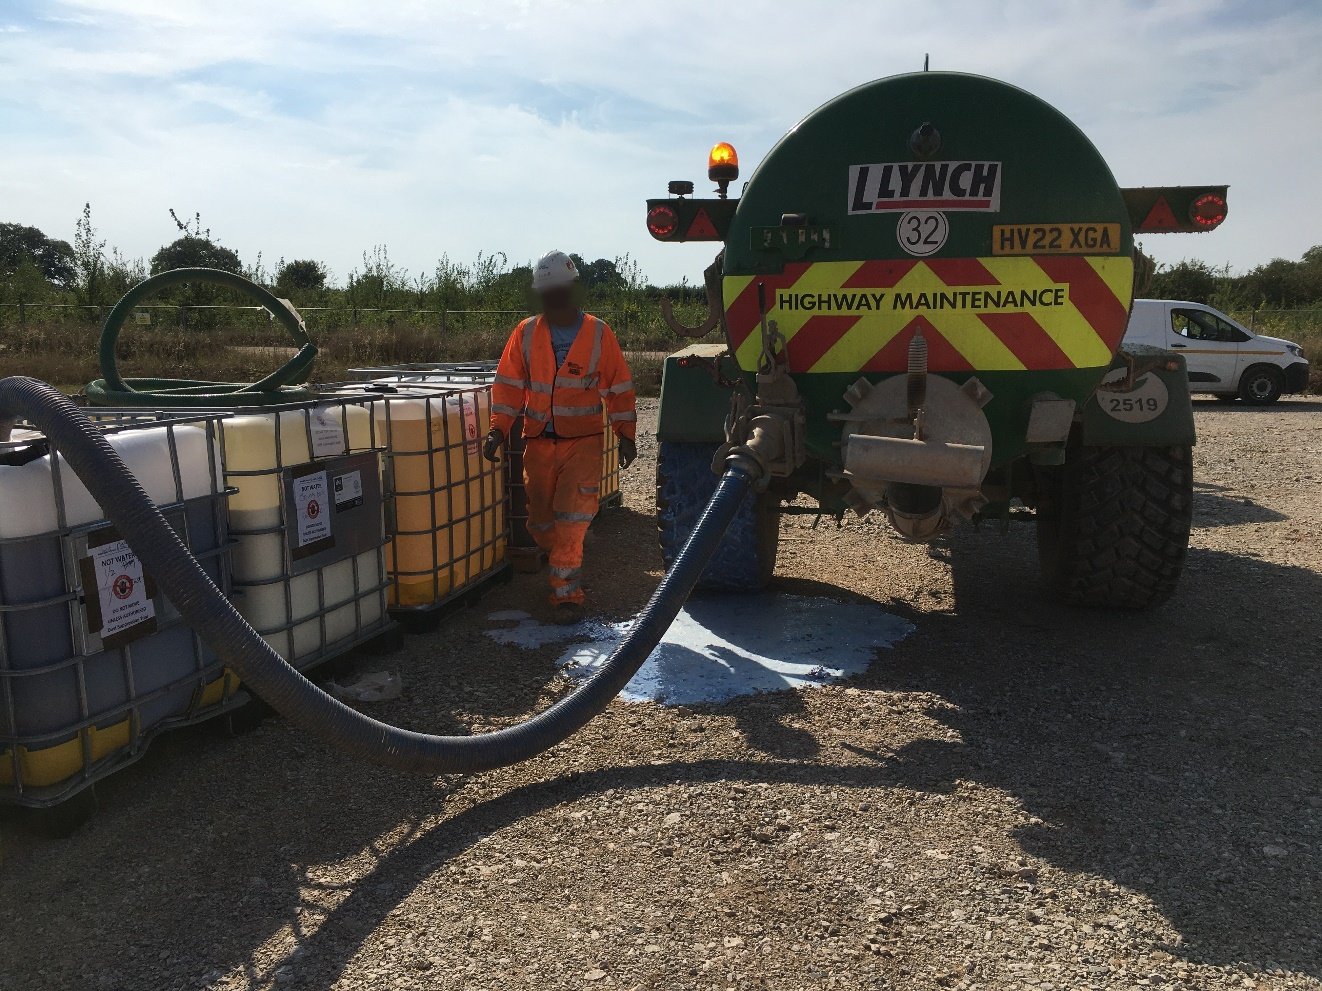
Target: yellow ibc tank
449 502
306 616
610 463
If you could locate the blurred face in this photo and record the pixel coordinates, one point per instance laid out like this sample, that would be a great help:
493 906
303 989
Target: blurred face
560 304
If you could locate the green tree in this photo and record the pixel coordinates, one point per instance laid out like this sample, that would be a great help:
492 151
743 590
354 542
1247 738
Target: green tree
300 276
1194 281
54 259
89 260
196 249
195 252
600 275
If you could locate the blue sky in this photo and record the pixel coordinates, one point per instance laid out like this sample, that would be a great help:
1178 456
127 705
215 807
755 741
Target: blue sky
318 129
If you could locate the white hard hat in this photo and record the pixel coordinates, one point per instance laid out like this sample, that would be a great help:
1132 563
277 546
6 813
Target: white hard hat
554 270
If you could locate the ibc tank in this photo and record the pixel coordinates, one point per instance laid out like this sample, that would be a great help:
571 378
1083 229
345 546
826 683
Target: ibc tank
468 373
308 606
446 502
93 659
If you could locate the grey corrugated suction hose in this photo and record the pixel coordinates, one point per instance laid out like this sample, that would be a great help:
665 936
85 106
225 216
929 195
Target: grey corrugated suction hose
208 612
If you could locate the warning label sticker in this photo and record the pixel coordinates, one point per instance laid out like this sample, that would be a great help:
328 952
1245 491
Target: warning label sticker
471 428
1055 239
348 490
123 599
327 434
888 187
312 509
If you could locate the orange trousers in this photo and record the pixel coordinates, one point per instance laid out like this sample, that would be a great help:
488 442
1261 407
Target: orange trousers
563 479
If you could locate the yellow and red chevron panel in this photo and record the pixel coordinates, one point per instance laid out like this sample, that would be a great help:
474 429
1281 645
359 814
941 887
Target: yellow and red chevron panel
978 314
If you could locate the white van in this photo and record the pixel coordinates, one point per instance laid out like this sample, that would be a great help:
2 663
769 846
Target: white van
1224 357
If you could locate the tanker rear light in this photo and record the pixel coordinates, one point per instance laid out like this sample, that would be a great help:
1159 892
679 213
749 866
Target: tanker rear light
1208 210
662 222
723 166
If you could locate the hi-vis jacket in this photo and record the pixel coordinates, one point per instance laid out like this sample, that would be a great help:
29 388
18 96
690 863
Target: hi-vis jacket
594 372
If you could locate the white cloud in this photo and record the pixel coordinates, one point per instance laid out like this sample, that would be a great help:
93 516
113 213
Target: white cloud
321 128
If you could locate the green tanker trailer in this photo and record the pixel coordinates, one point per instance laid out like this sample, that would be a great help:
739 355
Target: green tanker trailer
922 292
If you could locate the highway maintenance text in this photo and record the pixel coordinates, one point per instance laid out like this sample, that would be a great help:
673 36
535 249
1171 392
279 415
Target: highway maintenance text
867 301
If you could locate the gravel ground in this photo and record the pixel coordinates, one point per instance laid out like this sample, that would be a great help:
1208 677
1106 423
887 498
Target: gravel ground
1019 795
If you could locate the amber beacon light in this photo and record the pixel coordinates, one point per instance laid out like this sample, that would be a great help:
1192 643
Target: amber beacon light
723 166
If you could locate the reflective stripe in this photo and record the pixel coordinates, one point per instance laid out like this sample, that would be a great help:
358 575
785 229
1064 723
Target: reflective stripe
510 380
629 417
541 527
529 326
576 410
565 591
575 517
625 386
542 387
589 489
596 348
571 382
536 415
566 572
503 409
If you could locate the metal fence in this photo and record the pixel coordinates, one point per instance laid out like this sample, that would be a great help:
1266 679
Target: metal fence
178 314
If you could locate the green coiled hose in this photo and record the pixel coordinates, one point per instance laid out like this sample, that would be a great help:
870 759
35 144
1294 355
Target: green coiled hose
284 385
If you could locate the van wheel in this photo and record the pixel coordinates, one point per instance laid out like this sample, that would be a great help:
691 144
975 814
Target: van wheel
1113 524
1261 385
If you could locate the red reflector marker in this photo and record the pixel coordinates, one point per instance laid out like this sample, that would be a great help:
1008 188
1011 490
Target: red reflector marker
662 222
1208 210
702 229
1160 218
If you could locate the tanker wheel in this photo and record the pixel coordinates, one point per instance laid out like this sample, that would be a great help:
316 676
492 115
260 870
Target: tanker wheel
746 557
1113 524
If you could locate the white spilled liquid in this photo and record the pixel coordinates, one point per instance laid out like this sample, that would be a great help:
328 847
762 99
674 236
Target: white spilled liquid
724 647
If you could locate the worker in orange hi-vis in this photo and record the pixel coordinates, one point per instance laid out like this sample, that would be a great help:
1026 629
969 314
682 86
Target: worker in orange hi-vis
558 371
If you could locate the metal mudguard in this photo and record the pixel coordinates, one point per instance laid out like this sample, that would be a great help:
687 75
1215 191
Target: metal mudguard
1143 401
696 387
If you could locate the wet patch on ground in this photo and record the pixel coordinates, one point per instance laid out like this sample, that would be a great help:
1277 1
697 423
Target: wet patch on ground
723 647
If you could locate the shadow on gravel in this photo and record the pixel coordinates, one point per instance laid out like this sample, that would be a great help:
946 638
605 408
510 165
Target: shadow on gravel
1176 752
1286 405
1211 508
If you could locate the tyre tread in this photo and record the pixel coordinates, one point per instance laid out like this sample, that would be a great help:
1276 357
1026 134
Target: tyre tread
1122 533
746 557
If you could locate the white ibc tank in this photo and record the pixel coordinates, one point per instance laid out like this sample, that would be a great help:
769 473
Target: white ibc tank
93 660
28 491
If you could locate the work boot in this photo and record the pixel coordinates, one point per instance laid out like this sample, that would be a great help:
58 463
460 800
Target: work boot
567 614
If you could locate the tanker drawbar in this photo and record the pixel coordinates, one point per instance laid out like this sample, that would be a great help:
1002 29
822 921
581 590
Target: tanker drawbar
922 289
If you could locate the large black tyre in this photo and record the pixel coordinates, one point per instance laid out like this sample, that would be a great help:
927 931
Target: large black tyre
1261 385
746 557
1113 524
